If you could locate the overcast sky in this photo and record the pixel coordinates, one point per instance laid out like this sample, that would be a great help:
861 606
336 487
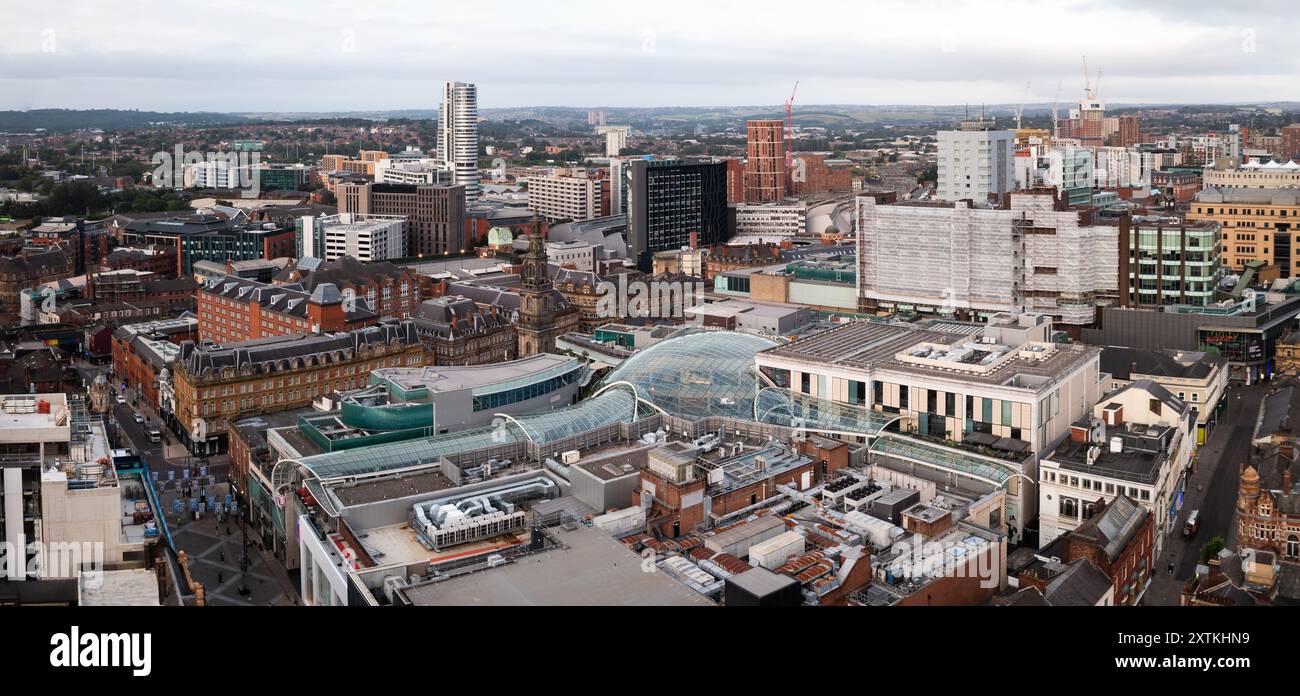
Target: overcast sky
344 55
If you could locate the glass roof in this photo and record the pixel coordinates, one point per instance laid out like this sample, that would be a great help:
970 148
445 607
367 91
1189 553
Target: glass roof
697 375
777 406
612 406
942 457
609 407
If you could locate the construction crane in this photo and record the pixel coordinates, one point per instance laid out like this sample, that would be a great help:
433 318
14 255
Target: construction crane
1090 91
789 125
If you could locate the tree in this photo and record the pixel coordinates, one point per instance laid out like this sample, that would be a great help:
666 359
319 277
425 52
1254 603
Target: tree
1212 549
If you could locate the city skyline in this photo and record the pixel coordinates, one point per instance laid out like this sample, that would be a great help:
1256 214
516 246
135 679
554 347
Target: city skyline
335 57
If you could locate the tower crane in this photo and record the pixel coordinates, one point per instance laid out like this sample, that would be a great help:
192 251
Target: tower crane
789 125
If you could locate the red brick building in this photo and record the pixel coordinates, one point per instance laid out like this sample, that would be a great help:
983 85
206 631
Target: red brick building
1119 539
811 174
231 310
141 351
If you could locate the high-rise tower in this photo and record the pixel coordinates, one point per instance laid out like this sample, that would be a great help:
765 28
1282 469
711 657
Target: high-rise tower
458 135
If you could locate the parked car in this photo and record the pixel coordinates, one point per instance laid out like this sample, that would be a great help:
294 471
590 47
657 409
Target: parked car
1193 521
139 418
121 399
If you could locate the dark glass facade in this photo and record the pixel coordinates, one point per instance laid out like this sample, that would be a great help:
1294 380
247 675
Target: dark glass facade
668 200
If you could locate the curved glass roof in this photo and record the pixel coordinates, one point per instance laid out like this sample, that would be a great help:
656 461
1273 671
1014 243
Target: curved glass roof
777 406
612 406
697 375
608 407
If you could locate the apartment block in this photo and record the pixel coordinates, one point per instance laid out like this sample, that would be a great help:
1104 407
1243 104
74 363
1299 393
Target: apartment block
974 164
561 197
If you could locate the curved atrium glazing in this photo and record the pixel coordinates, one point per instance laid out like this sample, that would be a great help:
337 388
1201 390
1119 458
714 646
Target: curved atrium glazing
612 406
697 375
777 406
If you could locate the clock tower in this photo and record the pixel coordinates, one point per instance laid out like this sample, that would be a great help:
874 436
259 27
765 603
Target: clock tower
537 326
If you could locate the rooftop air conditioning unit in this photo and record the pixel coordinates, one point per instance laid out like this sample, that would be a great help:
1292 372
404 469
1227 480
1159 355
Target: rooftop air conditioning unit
1116 444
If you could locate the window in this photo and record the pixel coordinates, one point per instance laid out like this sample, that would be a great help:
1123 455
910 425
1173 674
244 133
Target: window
1069 508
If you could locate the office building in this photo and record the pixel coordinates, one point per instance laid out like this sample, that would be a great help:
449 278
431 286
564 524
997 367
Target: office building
435 213
672 202
1070 170
212 238
387 289
363 237
425 170
1168 262
458 135
216 384
231 310
769 222
975 164
1254 225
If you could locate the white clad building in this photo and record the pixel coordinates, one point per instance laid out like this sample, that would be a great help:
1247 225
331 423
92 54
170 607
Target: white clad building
615 138
1138 441
425 170
564 197
954 260
364 237
458 135
770 221
582 256
975 163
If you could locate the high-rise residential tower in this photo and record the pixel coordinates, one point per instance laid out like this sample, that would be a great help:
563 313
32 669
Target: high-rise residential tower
458 135
765 169
975 163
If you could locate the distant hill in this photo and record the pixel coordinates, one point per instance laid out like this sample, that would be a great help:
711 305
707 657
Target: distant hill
63 120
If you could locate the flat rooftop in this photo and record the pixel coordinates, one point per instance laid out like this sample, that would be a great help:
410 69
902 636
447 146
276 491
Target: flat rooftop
131 588
589 568
455 378
1133 465
870 345
377 490
21 420
397 544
